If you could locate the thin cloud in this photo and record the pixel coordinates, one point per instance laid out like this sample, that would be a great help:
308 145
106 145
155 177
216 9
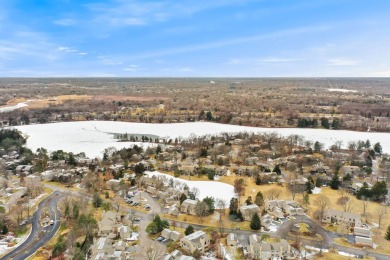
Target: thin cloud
229 42
131 68
186 69
276 60
65 22
137 13
343 62
380 74
67 49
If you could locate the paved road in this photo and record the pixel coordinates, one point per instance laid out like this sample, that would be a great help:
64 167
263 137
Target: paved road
281 233
39 235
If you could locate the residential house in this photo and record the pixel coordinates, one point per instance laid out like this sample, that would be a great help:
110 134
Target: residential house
188 206
17 195
298 185
170 195
177 255
280 208
258 249
171 234
231 239
266 220
188 169
164 156
149 181
338 216
173 210
249 210
24 169
113 184
238 142
109 224
32 181
252 160
351 170
198 240
125 232
221 170
364 241
103 248
362 232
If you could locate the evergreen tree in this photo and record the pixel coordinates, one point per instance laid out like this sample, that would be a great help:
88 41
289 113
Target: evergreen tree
387 235
317 147
309 187
210 203
259 199
96 200
277 169
239 216
75 211
209 116
203 152
325 123
318 182
233 207
336 123
183 197
157 225
378 148
189 230
379 190
255 222
335 182
4 230
158 149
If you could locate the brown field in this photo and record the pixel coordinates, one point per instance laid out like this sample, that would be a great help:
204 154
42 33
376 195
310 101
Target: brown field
41 103
130 98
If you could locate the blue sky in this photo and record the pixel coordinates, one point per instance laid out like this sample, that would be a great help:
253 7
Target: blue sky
195 38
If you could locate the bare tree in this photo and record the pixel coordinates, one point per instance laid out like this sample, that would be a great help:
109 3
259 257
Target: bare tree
272 194
346 202
364 204
322 201
150 250
381 214
221 205
195 191
201 210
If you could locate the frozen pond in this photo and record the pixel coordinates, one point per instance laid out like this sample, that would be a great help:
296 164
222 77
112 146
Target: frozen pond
92 137
215 189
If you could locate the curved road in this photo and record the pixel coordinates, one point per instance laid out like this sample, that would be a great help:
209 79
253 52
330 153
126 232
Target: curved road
282 232
39 235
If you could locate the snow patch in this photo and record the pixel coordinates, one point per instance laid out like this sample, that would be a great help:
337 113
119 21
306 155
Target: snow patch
316 190
217 190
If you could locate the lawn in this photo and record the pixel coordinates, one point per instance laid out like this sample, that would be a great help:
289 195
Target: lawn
335 256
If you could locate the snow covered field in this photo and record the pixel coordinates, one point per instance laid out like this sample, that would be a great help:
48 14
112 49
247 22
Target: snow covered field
11 108
217 190
92 137
342 90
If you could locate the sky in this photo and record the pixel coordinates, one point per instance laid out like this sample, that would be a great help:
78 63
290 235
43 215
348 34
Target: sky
195 38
